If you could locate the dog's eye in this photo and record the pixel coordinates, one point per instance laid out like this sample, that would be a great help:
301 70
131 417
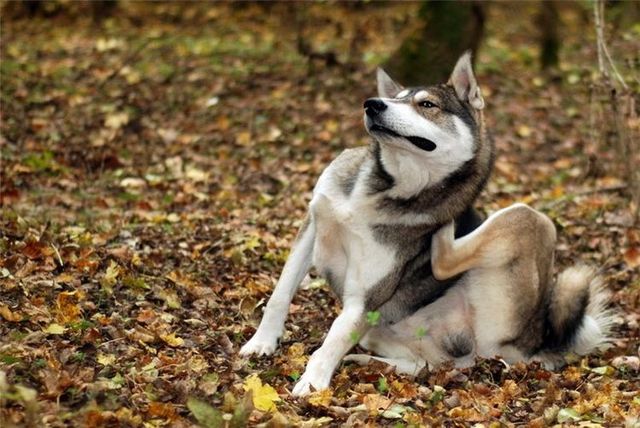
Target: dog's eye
427 104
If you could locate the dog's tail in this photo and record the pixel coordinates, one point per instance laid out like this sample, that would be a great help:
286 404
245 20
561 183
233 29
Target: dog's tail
578 320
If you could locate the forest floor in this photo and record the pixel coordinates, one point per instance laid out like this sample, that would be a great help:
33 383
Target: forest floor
157 164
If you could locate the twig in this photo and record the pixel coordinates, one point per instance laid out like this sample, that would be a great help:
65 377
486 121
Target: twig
603 50
601 190
599 36
57 254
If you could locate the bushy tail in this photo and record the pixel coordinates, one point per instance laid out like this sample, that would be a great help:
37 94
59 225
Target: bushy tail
578 318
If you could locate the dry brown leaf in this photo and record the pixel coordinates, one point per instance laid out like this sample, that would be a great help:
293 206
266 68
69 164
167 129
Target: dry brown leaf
632 257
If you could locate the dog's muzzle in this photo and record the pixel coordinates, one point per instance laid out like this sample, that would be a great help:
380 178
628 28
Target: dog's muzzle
374 106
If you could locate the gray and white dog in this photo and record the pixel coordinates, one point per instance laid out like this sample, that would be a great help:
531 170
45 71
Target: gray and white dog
391 228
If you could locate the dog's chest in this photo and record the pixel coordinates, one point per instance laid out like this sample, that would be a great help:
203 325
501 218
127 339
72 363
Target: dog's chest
346 251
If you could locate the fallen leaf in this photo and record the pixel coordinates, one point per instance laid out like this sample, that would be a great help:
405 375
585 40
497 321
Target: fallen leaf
133 182
172 340
523 131
243 138
109 280
105 359
321 398
67 308
632 257
9 315
116 120
263 396
376 403
205 414
568 415
163 410
55 329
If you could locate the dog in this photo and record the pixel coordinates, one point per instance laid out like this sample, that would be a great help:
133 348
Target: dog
392 229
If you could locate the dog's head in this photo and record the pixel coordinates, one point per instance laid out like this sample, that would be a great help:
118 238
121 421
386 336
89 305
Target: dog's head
437 122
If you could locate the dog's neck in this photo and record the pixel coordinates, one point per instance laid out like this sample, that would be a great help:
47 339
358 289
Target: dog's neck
441 199
408 171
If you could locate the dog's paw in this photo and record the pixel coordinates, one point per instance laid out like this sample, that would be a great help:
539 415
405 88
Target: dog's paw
259 345
303 387
446 234
442 245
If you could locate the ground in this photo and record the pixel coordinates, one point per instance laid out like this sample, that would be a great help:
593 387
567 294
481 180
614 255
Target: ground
157 163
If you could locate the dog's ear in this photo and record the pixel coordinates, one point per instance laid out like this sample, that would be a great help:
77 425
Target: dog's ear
464 82
387 88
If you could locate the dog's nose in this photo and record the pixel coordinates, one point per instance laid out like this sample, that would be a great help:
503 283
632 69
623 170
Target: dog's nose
374 106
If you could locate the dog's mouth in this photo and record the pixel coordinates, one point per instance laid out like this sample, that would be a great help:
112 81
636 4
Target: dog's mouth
421 143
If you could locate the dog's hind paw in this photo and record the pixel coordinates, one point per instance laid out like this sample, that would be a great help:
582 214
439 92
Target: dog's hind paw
259 346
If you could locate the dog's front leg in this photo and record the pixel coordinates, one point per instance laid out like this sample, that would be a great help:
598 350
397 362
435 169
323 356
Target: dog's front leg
265 340
344 333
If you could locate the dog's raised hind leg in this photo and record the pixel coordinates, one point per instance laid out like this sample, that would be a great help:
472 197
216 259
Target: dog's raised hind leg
447 258
265 340
491 244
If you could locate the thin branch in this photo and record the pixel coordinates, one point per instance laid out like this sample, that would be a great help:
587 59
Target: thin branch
603 50
601 190
599 36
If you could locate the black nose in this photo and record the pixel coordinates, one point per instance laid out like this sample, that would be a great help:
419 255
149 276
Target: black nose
374 106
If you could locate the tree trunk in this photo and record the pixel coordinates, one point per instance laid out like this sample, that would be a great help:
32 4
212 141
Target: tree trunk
448 29
549 20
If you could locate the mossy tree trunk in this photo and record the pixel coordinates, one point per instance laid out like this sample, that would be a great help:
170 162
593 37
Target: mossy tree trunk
448 29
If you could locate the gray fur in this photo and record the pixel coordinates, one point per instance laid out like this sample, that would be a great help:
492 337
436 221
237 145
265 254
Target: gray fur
348 167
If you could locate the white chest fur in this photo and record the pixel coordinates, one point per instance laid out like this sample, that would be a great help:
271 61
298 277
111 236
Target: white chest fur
346 248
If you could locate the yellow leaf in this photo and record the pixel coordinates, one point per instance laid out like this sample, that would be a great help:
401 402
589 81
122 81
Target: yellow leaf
321 398
67 306
55 329
332 126
110 276
116 120
524 131
263 396
173 218
296 356
197 364
172 339
196 174
181 279
103 44
376 402
106 359
243 138
27 394
557 192
65 278
8 314
223 123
